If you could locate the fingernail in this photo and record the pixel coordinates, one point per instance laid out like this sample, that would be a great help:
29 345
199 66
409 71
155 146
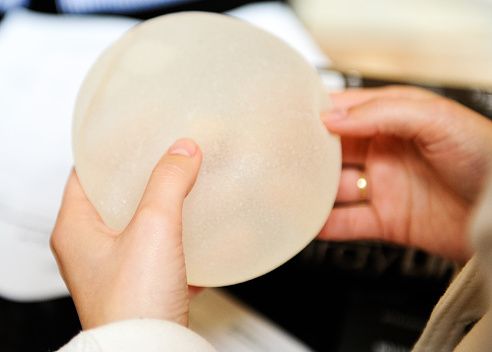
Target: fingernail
184 146
334 115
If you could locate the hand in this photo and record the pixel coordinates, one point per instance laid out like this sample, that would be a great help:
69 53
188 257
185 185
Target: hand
425 159
140 272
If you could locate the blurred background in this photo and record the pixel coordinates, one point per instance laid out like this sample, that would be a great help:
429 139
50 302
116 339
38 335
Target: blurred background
358 296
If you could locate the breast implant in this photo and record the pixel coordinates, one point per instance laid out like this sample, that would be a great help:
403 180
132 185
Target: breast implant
270 169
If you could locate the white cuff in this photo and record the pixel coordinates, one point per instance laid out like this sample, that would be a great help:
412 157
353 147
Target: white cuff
144 335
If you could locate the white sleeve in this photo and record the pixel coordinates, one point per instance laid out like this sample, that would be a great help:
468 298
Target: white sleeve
144 335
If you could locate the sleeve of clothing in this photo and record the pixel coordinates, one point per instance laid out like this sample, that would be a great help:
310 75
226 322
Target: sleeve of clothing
481 230
144 335
462 319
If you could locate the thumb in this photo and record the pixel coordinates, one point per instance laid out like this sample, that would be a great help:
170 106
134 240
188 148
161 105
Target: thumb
172 179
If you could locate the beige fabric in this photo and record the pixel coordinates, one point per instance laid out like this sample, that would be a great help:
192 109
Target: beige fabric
479 338
481 231
463 303
467 299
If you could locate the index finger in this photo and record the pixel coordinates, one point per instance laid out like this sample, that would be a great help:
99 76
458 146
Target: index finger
75 206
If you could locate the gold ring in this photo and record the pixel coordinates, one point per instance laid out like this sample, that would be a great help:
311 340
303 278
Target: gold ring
362 185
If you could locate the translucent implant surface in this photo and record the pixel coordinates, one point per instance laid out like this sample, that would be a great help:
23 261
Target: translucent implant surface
270 170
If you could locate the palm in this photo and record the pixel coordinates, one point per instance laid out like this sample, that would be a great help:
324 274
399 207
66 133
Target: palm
411 201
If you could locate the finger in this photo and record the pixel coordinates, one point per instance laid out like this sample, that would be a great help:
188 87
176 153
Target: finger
75 206
78 226
172 179
352 97
352 223
399 117
354 151
348 191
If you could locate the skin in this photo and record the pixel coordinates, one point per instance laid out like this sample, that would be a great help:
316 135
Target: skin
425 158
